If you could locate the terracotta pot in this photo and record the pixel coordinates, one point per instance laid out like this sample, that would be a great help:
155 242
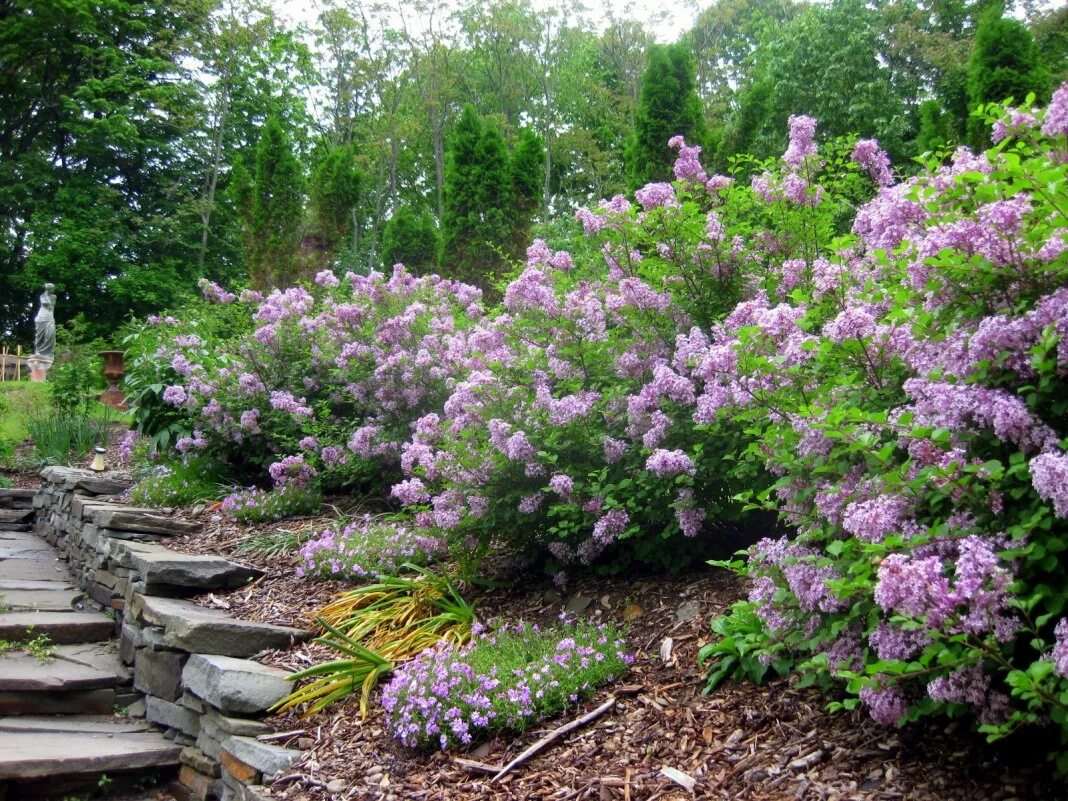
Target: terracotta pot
114 370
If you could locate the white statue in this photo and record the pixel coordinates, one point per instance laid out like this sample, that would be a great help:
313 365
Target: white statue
45 339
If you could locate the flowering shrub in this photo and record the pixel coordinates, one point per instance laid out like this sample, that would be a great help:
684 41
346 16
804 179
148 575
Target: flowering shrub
177 483
367 547
909 396
254 505
505 679
325 382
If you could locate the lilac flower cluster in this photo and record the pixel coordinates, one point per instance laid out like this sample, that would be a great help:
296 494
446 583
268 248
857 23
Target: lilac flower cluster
255 505
507 678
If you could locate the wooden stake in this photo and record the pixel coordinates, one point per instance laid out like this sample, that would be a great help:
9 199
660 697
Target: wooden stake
554 735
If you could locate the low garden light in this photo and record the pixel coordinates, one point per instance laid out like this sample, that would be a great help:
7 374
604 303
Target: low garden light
98 465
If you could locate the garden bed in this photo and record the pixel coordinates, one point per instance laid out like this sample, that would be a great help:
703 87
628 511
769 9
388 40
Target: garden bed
742 742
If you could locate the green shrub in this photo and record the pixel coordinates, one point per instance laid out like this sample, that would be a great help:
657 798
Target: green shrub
180 483
60 438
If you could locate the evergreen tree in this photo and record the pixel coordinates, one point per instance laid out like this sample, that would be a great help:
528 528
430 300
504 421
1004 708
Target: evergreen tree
336 189
936 128
477 197
667 105
527 176
410 239
1005 63
271 206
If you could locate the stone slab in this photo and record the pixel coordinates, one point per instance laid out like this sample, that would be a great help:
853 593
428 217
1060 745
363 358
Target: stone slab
74 724
62 628
97 485
41 600
28 755
200 630
172 716
235 685
32 569
16 515
77 702
9 496
162 567
159 673
25 550
14 584
264 757
127 520
71 667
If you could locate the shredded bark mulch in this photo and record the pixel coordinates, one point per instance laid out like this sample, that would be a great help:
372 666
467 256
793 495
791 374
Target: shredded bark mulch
745 742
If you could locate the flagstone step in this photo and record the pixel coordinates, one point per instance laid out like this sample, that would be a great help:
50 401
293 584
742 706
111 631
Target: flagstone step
69 667
57 754
61 628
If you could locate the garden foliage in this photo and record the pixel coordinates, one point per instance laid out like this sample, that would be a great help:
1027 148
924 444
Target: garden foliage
880 362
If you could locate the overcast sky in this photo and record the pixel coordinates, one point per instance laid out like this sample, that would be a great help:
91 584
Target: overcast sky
667 21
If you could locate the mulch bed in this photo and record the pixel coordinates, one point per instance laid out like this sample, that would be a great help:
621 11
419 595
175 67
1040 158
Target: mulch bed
744 741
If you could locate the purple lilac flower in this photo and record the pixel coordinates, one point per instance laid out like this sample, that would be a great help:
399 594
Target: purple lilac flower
1059 656
872 159
1056 121
1049 476
175 395
656 195
886 705
802 144
667 463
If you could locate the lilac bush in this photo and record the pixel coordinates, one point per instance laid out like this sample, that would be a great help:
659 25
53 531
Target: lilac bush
504 679
909 396
324 384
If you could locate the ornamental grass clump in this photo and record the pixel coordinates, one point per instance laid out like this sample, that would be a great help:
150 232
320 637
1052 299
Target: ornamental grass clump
368 546
504 679
255 505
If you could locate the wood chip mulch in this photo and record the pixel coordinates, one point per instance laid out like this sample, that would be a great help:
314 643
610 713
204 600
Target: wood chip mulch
743 742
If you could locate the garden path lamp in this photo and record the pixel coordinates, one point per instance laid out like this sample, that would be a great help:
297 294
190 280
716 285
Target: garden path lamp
98 465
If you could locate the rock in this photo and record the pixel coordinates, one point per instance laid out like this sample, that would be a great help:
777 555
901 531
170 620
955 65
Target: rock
162 567
198 761
137 709
264 757
235 685
200 630
139 520
198 784
71 668
172 715
97 485
62 628
336 785
687 611
305 743
240 726
246 774
633 611
159 673
28 755
578 604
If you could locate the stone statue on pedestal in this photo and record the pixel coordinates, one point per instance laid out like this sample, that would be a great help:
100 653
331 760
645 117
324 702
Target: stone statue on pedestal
44 344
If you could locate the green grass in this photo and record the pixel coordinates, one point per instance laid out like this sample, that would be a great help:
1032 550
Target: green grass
19 401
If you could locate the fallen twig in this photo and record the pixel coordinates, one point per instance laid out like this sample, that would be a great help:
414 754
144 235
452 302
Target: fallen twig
476 767
554 735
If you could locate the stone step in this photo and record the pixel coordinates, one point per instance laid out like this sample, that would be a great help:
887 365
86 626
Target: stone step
62 628
167 570
74 724
40 569
59 600
27 755
71 667
14 498
16 515
101 701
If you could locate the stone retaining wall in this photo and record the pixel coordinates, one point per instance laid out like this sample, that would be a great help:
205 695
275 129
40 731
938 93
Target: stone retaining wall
192 663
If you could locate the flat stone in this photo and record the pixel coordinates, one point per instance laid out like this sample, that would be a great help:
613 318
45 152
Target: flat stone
196 784
172 716
159 673
136 520
200 630
75 702
32 569
246 774
72 667
100 486
198 761
687 611
16 515
225 724
8 584
41 600
10 496
235 685
74 724
14 528
264 757
164 567
62 628
27 755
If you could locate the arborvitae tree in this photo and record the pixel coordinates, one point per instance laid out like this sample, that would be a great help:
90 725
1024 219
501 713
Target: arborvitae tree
271 205
477 197
936 128
1005 63
528 179
410 239
667 105
336 188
